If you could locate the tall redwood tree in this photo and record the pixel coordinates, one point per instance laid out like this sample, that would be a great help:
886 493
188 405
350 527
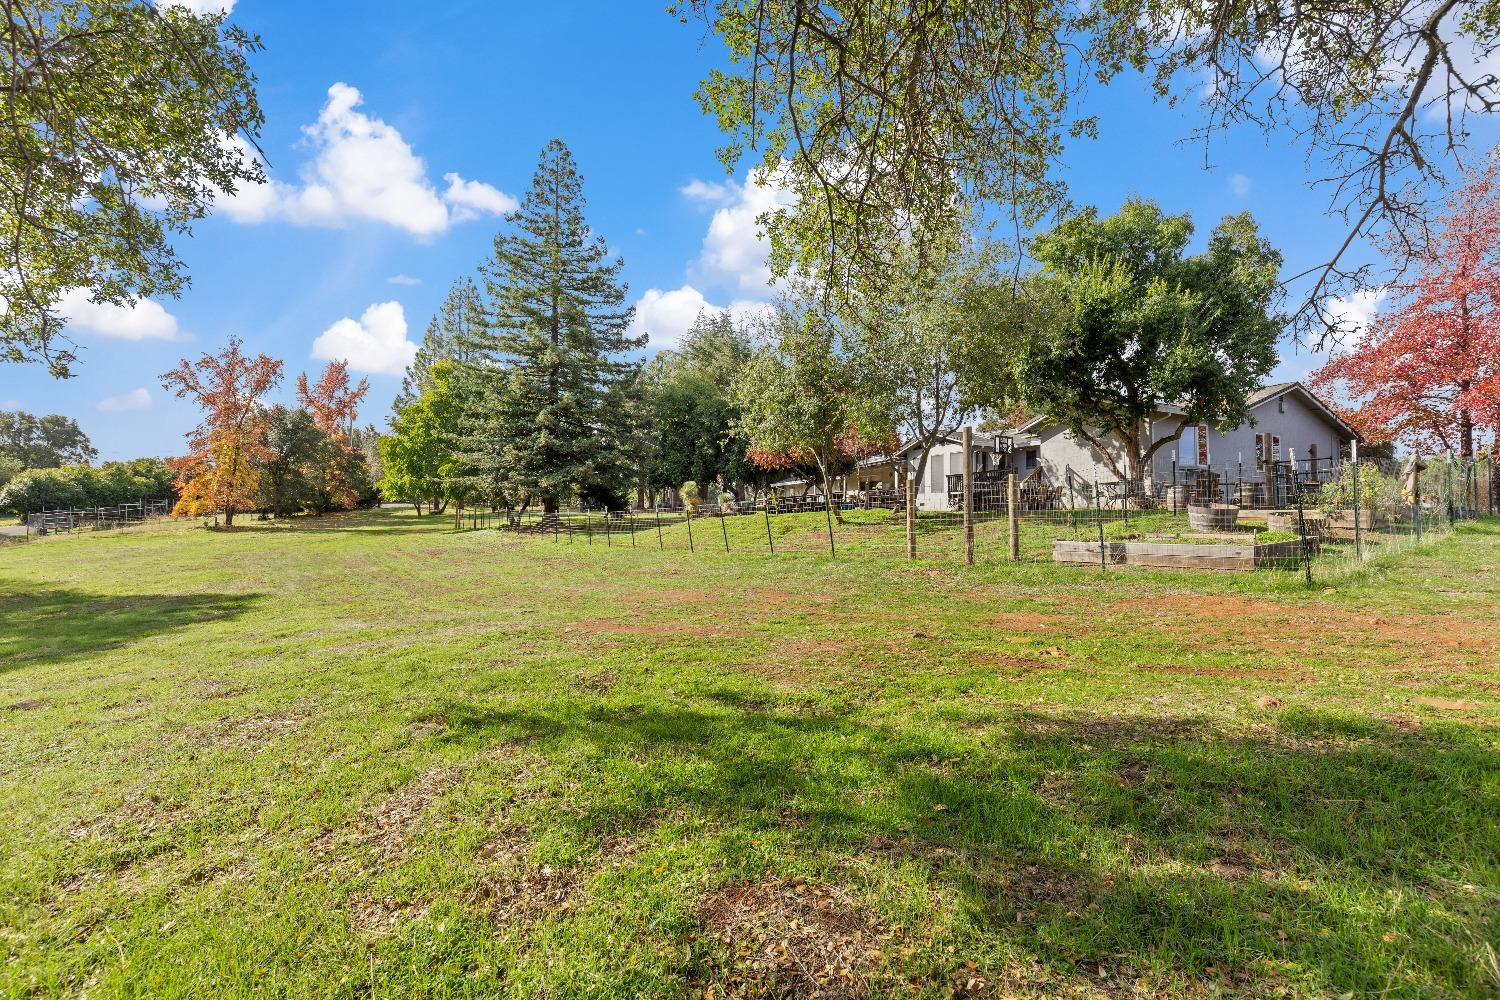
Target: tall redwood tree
218 475
1428 372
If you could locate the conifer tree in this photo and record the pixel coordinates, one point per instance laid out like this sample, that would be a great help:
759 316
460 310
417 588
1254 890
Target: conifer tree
455 325
551 411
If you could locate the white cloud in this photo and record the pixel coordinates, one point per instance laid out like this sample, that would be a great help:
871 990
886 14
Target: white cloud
403 279
10 404
135 399
666 316
1239 184
146 320
362 169
374 343
201 6
735 248
471 199
708 190
1354 313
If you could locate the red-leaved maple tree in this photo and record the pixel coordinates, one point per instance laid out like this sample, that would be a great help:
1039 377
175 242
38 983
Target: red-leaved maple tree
1427 373
333 405
218 475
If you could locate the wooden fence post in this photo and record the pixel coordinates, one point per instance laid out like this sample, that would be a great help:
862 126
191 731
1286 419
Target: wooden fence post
1013 515
911 516
969 496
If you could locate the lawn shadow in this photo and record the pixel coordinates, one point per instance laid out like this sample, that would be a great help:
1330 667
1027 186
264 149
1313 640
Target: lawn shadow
1103 846
53 625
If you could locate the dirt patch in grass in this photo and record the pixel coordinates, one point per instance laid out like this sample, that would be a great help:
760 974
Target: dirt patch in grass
1449 704
528 893
1016 666
669 596
602 682
373 917
1044 622
29 705
1235 673
387 827
791 938
1257 626
656 630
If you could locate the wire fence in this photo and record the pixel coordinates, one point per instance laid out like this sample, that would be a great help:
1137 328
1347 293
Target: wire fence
1318 521
66 520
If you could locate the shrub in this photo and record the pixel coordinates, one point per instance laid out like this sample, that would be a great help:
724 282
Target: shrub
109 485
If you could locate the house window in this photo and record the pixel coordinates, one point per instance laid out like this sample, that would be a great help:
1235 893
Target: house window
1276 447
1260 451
935 479
1187 447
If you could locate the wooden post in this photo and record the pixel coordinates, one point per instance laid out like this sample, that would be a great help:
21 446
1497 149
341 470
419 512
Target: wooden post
911 515
969 496
1013 515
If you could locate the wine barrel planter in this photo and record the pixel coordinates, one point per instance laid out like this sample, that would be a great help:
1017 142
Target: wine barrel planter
1087 552
1214 517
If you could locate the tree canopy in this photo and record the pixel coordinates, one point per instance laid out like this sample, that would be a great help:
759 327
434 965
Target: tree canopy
889 120
1428 372
1122 324
127 117
551 406
34 442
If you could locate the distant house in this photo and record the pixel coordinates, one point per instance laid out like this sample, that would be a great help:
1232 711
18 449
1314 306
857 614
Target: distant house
1286 421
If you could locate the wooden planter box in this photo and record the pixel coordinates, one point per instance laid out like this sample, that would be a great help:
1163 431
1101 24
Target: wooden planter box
1340 524
1235 556
1087 552
1217 517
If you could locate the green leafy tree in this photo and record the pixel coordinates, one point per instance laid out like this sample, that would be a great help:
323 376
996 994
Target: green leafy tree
9 469
419 457
43 442
691 417
1122 324
459 321
800 399
294 448
552 398
124 119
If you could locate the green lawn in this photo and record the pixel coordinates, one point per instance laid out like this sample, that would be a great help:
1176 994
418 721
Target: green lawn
373 757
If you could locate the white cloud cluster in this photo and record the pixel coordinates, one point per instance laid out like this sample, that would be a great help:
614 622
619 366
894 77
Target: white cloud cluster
135 399
146 320
735 247
374 343
1356 312
1239 184
403 279
363 169
733 257
666 316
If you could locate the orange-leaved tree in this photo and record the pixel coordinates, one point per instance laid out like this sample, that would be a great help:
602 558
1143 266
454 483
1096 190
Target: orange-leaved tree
1428 372
333 405
219 474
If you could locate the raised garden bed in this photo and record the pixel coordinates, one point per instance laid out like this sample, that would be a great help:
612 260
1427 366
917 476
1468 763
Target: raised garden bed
1064 551
1222 555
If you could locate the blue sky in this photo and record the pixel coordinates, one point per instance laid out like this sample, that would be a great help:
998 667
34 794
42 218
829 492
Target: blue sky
396 134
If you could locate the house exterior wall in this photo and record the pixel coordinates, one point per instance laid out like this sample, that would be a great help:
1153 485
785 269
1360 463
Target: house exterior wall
1298 424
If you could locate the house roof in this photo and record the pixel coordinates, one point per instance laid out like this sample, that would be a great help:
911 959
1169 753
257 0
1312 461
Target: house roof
1268 393
1264 394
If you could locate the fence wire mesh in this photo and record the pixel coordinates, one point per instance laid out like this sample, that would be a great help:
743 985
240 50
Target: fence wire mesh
1320 519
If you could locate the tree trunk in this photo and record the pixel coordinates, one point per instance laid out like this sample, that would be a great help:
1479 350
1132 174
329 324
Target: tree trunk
228 516
417 504
549 505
